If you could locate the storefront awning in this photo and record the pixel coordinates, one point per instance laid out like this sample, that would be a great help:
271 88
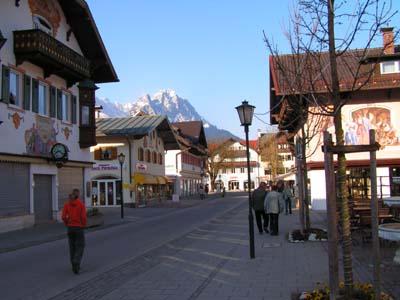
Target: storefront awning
140 179
162 180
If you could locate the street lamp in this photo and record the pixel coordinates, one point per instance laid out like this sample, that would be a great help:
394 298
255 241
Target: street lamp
121 159
246 112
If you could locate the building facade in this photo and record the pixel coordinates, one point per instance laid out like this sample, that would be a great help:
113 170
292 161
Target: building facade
233 174
376 105
144 141
185 167
46 106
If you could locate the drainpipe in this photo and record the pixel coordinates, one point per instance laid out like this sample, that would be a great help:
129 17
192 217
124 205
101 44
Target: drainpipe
130 162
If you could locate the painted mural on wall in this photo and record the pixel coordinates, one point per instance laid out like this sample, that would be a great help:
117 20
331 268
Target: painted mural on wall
358 122
41 137
48 10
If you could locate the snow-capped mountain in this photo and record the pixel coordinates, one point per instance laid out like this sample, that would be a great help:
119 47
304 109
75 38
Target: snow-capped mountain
164 102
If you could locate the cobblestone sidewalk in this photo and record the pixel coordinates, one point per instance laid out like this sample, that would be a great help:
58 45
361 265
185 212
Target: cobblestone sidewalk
213 262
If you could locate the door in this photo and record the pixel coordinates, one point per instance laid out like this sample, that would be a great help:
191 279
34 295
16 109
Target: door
42 198
68 179
104 192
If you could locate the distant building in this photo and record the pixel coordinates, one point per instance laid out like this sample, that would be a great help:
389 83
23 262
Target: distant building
144 141
51 60
185 167
233 175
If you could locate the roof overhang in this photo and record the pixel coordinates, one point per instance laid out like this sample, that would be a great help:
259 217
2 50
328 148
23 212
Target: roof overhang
82 23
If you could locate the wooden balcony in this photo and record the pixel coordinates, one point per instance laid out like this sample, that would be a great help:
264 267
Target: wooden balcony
43 50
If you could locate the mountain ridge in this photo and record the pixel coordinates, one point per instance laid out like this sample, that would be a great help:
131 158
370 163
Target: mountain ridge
164 102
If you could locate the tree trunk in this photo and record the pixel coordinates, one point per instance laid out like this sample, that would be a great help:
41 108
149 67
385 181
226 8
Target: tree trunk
341 172
305 180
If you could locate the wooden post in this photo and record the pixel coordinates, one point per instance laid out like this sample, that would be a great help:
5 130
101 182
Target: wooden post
332 218
374 220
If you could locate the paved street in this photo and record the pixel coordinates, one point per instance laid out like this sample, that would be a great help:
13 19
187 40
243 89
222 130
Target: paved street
43 271
199 252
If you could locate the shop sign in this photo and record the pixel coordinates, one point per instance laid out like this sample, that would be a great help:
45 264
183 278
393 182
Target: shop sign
104 167
141 167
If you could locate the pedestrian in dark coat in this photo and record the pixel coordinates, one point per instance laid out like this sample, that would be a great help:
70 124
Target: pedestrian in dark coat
74 217
257 198
273 206
288 197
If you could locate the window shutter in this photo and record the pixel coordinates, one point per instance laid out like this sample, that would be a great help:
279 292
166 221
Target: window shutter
35 95
97 154
73 109
114 154
5 84
53 101
59 105
27 92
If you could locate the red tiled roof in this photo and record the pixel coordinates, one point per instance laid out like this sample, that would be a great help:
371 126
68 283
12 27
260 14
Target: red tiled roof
253 144
315 72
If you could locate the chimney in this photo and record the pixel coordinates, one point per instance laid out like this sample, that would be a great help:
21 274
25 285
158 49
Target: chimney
388 40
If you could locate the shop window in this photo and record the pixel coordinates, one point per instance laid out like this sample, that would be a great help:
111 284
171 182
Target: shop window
140 154
148 156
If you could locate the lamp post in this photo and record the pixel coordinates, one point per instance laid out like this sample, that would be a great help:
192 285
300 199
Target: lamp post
245 112
121 159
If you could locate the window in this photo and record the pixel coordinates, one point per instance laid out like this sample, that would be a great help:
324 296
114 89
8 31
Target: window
160 159
85 115
14 88
241 170
389 67
148 156
66 107
42 24
108 153
42 99
154 157
140 154
233 171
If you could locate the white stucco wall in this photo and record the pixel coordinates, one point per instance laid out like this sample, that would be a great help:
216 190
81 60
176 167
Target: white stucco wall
20 18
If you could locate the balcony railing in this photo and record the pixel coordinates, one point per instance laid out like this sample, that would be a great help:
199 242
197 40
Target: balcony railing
40 48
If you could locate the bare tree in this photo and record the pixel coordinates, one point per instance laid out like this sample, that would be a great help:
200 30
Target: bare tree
219 154
326 71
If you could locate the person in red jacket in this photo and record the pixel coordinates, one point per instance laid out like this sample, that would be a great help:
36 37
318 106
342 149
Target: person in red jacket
74 217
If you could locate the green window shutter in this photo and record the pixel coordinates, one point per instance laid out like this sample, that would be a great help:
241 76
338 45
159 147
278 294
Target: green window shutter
73 109
35 95
53 102
59 105
5 84
27 92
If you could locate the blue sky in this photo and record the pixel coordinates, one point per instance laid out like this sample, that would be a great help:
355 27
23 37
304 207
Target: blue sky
210 51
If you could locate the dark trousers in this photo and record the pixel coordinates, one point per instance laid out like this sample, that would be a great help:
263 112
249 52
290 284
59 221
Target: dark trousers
76 239
288 206
260 214
274 224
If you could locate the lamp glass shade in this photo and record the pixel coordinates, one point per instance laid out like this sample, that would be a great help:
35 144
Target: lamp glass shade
245 112
121 158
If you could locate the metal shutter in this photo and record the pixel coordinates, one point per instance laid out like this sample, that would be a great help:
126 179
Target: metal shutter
69 179
14 189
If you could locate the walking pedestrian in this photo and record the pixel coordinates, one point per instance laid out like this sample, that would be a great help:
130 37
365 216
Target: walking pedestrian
74 217
257 201
273 206
201 192
288 197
